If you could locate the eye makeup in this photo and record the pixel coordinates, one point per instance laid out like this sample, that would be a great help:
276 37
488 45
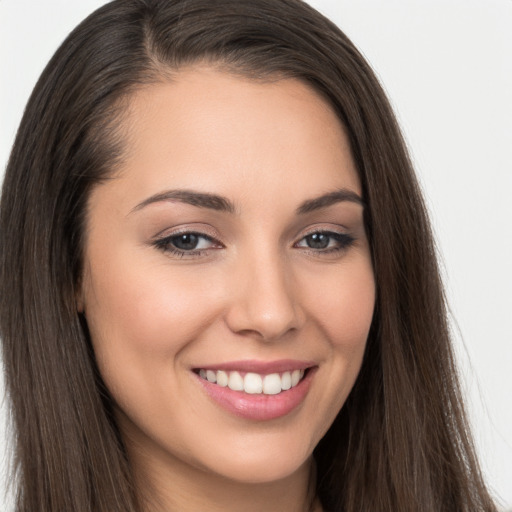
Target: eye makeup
194 244
326 242
187 243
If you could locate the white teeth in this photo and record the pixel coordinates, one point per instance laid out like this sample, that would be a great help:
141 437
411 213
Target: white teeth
295 377
235 382
253 383
272 384
222 378
286 381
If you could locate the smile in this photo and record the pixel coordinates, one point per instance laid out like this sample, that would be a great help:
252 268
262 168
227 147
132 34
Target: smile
254 383
257 390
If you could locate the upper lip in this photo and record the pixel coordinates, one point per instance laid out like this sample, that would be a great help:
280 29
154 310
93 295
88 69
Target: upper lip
261 367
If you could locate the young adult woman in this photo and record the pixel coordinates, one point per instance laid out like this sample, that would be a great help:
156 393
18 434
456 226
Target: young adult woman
220 290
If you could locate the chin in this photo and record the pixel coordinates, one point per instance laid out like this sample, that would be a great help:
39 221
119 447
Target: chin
263 472
260 462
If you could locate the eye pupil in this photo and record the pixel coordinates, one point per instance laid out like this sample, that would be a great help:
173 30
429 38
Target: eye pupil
187 241
318 241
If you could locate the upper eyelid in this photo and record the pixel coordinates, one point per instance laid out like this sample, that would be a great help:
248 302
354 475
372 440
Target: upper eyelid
323 230
338 230
164 243
171 232
214 241
165 233
330 233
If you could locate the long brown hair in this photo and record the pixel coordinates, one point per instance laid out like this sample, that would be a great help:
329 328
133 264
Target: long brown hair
401 441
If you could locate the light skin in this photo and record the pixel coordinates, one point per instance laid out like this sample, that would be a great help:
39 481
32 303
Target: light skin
273 273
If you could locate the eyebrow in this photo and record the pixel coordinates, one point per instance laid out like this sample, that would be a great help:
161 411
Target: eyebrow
329 199
200 199
222 204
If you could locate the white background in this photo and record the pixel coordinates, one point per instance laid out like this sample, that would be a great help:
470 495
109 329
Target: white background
447 67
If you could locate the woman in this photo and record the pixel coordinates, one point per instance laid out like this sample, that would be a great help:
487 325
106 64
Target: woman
226 293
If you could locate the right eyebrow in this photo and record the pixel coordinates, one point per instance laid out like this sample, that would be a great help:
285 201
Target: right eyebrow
200 199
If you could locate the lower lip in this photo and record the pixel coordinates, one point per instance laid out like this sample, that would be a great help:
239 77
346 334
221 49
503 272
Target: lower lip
259 407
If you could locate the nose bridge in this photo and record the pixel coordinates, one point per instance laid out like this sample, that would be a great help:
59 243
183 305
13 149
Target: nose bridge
264 302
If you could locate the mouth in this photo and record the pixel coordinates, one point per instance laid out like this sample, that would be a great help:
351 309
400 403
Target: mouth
257 391
254 383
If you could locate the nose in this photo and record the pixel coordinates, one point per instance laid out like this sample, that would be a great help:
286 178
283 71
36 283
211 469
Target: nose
264 302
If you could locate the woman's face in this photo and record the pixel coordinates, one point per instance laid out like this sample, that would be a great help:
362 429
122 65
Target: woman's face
224 262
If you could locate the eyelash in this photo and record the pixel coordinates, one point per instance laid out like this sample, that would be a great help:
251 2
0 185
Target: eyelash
343 242
165 244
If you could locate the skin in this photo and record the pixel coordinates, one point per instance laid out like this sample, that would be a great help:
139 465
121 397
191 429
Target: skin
256 291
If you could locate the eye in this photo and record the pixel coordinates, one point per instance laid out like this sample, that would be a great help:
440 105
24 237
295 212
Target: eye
186 244
190 241
326 241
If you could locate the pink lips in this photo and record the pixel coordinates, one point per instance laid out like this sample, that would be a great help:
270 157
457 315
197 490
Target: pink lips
260 407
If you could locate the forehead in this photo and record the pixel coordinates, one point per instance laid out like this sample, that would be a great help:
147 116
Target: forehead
214 131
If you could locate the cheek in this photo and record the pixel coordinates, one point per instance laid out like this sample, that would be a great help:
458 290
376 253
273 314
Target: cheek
345 304
140 317
146 308
343 313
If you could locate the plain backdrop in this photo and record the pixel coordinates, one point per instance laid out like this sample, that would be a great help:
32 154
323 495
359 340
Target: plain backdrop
447 67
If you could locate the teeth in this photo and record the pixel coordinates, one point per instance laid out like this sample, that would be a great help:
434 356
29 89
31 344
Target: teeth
253 383
222 378
272 384
295 377
286 381
235 382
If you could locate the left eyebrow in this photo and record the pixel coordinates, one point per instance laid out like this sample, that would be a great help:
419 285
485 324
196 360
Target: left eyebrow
329 199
